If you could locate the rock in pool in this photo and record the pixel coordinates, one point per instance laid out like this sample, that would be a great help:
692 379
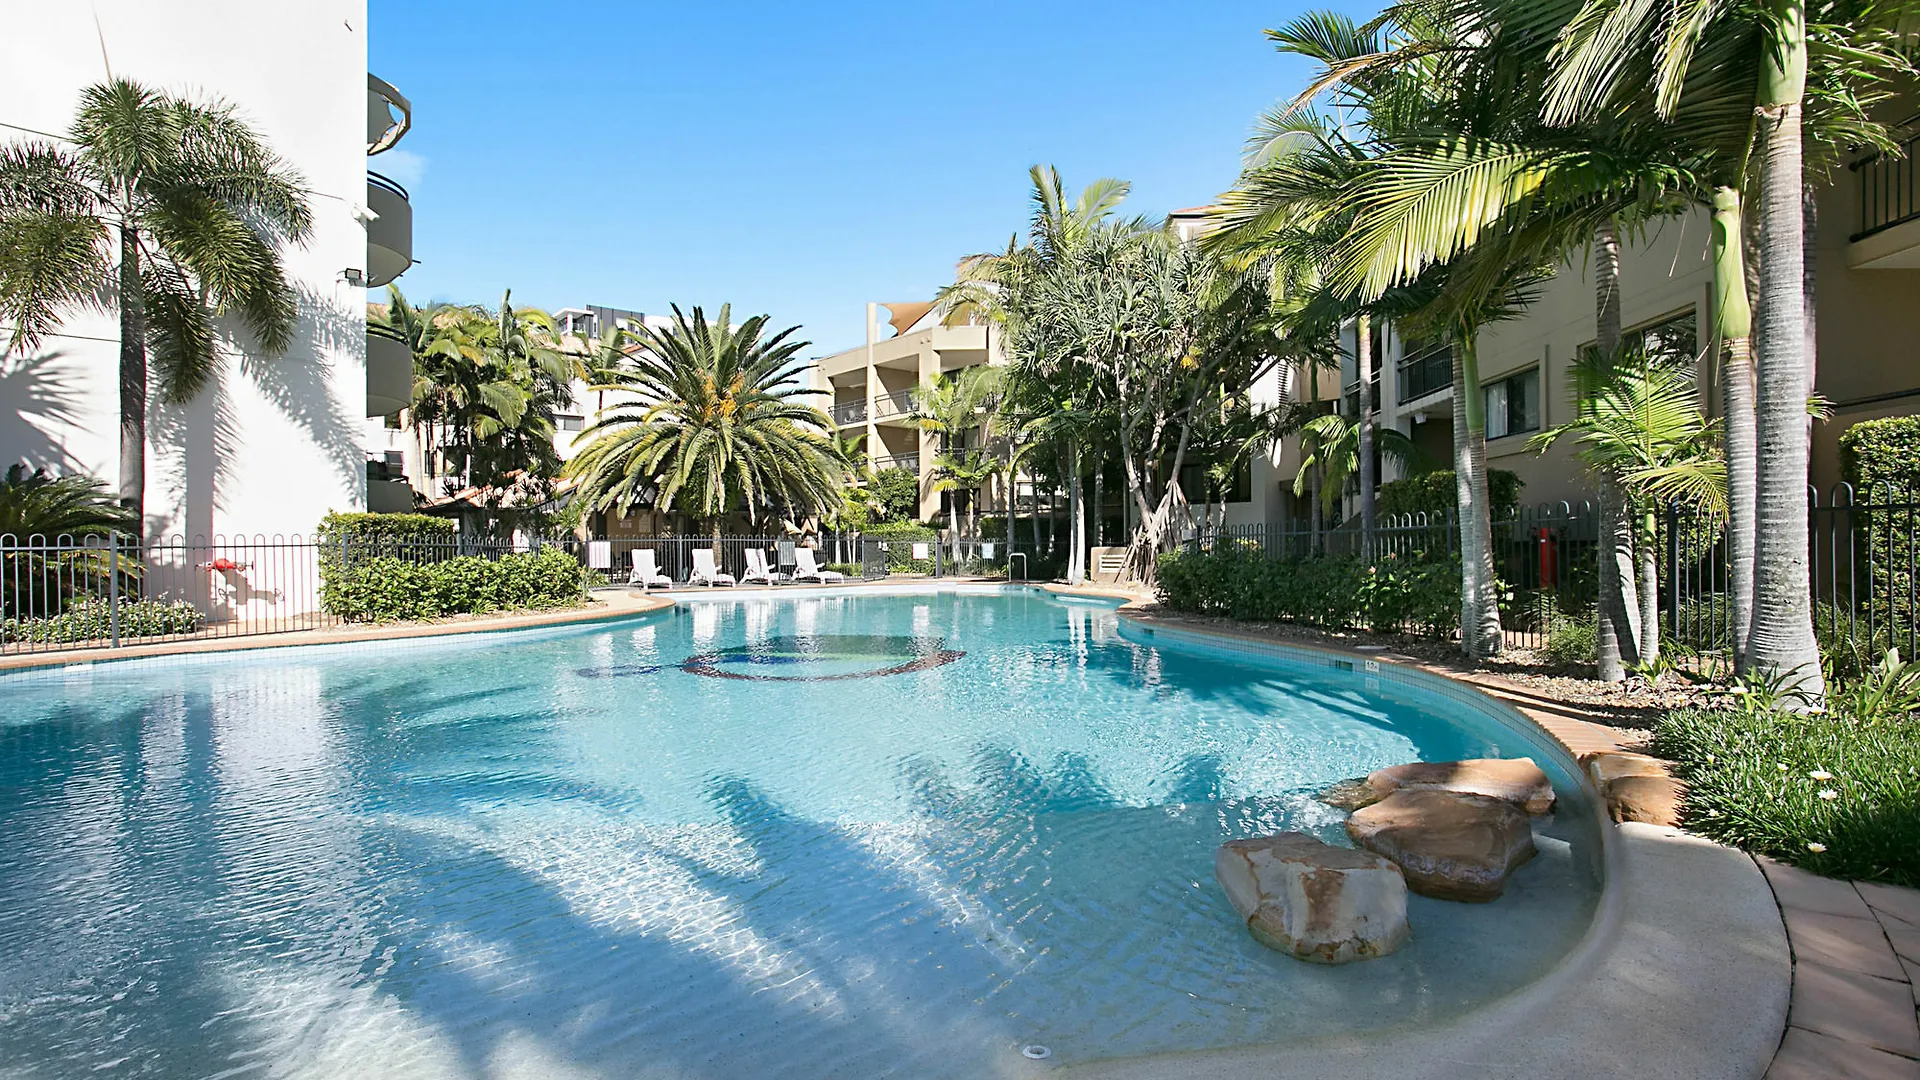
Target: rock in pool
1314 901
1451 845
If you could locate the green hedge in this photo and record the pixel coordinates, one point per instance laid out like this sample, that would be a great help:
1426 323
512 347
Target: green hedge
1418 595
368 527
384 588
1438 493
91 619
901 535
1755 779
1885 451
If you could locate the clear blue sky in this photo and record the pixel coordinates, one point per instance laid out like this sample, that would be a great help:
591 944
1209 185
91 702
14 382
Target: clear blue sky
795 159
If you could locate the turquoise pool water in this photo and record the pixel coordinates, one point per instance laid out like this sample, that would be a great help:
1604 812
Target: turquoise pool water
813 836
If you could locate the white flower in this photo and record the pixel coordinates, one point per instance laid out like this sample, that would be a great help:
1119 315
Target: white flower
1816 846
1783 766
1829 794
1819 774
1709 759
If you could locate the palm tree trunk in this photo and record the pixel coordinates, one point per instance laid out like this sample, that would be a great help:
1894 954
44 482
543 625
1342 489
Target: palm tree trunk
1781 641
1618 613
1363 354
1735 331
1480 632
1076 558
1319 517
1099 529
133 381
1648 551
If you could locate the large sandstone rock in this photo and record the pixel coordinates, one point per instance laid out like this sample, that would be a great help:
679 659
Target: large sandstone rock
1326 904
1451 845
1656 800
1606 766
1515 780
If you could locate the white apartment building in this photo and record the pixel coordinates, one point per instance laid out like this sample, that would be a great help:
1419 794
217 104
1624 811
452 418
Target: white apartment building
275 441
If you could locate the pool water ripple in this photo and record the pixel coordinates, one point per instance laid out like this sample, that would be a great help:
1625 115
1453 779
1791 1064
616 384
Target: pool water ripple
560 854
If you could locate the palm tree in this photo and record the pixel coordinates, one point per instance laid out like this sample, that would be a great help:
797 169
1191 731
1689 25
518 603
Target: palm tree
173 210
1762 66
714 420
1639 422
955 407
40 579
1331 456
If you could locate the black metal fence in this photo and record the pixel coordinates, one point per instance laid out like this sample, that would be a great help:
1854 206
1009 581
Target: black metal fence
1862 572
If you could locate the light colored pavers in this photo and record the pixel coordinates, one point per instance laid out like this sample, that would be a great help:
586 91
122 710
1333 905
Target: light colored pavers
1903 904
1808 1055
1796 888
1861 1009
1841 943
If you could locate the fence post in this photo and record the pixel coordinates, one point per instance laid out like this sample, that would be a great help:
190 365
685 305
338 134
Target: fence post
937 561
113 586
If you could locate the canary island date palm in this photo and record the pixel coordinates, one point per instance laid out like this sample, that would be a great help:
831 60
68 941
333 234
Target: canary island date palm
173 212
711 418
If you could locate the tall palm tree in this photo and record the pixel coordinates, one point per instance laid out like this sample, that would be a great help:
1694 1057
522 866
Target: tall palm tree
956 408
1331 456
1762 65
171 210
1640 423
713 420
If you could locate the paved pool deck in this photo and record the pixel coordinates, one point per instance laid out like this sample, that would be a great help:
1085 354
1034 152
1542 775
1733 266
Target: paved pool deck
1702 962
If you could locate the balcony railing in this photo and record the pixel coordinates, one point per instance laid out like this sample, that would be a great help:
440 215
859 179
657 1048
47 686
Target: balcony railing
852 412
886 405
1889 195
909 462
390 233
1428 371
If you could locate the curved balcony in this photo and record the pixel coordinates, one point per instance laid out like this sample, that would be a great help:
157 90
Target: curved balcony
389 372
390 233
383 128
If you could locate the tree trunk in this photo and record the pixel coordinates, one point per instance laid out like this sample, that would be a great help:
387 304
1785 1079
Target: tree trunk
1781 642
1649 553
1076 508
1735 330
1363 362
1618 611
1099 501
1480 632
1319 520
133 382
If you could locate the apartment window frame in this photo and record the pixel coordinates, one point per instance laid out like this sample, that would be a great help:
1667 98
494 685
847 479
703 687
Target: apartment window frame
569 422
1525 423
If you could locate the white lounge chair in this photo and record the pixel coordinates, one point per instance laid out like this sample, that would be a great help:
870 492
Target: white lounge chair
757 569
805 569
646 571
705 572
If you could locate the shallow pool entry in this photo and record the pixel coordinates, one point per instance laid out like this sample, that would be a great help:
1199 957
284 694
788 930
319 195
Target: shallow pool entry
818 835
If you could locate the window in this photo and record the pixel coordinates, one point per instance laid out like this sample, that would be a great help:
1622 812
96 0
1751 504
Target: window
570 423
1513 404
1199 487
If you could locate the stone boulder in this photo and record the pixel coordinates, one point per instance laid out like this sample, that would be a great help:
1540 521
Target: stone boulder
1515 780
1451 845
1655 800
1606 766
1314 901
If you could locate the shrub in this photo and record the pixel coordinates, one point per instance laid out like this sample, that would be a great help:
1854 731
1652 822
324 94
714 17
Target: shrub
1416 594
359 530
1835 794
1881 459
91 619
384 588
898 493
900 537
1572 640
1885 451
1437 493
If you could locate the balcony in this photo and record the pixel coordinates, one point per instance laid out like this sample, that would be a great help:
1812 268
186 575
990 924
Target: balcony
909 462
1889 233
387 490
383 127
849 414
390 233
389 372
1426 371
893 406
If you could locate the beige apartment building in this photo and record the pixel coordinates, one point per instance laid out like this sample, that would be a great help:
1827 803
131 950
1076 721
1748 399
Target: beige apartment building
872 385
1866 272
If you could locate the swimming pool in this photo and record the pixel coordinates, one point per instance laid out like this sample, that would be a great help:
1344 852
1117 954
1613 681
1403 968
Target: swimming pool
853 833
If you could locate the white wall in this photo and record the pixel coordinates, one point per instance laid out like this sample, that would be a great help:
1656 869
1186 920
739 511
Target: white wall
276 442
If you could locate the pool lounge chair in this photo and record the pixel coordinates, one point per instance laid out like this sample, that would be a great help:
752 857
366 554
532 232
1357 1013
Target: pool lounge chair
646 571
705 572
806 569
757 569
